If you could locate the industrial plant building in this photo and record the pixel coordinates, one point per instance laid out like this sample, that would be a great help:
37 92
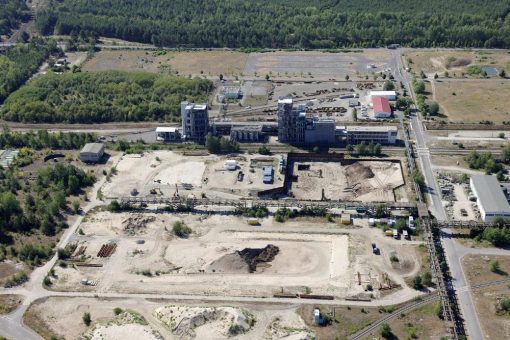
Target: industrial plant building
195 121
296 127
490 198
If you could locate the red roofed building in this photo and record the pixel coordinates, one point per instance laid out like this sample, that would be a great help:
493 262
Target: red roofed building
381 107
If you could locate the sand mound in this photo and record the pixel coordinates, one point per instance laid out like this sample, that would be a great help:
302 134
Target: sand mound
358 172
288 328
186 322
246 260
127 325
136 224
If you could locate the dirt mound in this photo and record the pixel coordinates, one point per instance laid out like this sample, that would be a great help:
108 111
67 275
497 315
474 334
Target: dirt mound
246 260
255 256
358 172
136 224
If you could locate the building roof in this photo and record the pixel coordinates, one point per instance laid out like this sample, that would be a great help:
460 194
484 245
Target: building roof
93 147
285 101
381 104
368 128
383 93
489 192
171 129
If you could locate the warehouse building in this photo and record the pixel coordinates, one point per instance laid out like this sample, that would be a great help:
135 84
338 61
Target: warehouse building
92 152
195 121
382 108
490 198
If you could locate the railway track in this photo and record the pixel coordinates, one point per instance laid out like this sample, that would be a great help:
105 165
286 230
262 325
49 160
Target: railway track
416 304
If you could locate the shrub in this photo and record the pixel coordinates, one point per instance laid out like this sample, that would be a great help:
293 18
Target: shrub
417 282
393 258
47 281
181 230
117 310
385 331
495 267
505 304
86 318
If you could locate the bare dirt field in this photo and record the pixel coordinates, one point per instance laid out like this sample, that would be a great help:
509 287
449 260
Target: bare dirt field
159 172
148 319
472 101
456 61
207 63
9 303
361 181
226 256
319 65
495 322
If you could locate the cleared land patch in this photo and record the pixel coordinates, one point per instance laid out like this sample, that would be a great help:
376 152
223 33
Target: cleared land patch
208 63
456 62
474 101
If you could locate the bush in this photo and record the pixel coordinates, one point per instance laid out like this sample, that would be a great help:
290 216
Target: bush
47 281
264 150
417 282
181 230
426 279
393 258
505 304
235 330
86 318
495 268
117 311
385 331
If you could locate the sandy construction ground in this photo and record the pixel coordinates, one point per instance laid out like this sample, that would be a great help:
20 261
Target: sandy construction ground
369 181
163 170
62 317
312 255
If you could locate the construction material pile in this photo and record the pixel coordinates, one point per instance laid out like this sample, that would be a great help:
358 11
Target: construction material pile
136 224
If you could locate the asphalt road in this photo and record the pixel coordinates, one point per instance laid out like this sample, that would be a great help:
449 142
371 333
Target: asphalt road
451 248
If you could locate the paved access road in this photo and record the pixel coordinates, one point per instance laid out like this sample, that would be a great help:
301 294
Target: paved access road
451 248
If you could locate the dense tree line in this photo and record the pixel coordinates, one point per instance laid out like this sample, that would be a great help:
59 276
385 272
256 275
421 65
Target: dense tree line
22 61
42 199
41 139
284 24
11 13
103 97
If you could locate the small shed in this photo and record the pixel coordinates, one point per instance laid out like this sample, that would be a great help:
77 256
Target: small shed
231 165
92 152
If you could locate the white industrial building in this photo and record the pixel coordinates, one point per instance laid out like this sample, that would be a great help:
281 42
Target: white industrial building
369 134
490 198
92 152
390 95
167 134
